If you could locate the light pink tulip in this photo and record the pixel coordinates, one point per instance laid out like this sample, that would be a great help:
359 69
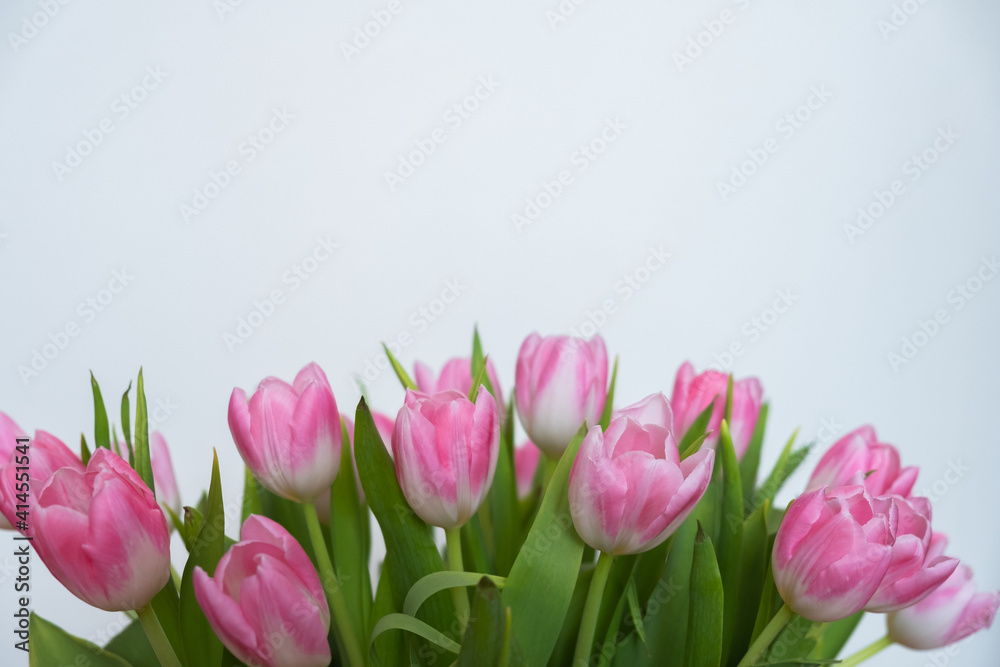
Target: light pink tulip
654 409
526 459
46 454
265 601
918 565
832 551
9 433
860 452
560 383
102 534
163 474
951 613
289 434
456 375
445 449
383 424
694 393
628 489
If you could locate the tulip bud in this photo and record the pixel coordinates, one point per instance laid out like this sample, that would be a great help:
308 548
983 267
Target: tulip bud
694 393
628 489
163 474
46 454
9 433
102 534
918 565
289 435
265 601
951 613
526 459
860 452
832 551
560 382
456 375
445 449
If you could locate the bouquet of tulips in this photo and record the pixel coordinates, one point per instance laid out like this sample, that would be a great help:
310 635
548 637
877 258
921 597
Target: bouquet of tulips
629 536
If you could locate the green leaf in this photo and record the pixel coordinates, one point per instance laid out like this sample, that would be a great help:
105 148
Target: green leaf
251 496
132 646
478 379
166 604
753 570
202 646
349 541
475 552
609 402
126 415
84 450
635 610
503 505
694 446
409 542
543 578
833 636
562 654
404 378
487 641
770 601
704 628
390 649
697 429
51 645
787 463
728 412
792 644
143 463
416 626
730 534
193 520
102 437
750 463
666 623
439 581
605 650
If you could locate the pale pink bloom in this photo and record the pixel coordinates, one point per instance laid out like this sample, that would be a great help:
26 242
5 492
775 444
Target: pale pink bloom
628 489
163 474
46 454
560 382
694 393
832 551
9 433
526 459
951 613
102 534
860 452
265 601
289 434
456 375
446 449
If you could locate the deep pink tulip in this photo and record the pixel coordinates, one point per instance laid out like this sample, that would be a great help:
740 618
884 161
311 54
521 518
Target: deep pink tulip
163 474
46 454
289 434
628 489
918 565
860 452
951 613
457 375
526 459
383 424
102 534
265 601
9 433
445 449
560 383
832 551
694 393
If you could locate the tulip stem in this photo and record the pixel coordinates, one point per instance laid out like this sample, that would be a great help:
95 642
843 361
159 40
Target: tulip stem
591 609
157 639
867 652
777 624
453 537
338 607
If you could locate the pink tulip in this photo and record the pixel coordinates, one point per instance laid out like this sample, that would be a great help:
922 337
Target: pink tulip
265 601
102 534
628 489
526 459
163 475
951 613
832 551
654 409
9 433
456 375
46 454
560 383
860 452
918 565
694 393
383 424
446 450
289 434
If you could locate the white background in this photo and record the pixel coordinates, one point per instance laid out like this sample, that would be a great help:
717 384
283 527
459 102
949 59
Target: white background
656 185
